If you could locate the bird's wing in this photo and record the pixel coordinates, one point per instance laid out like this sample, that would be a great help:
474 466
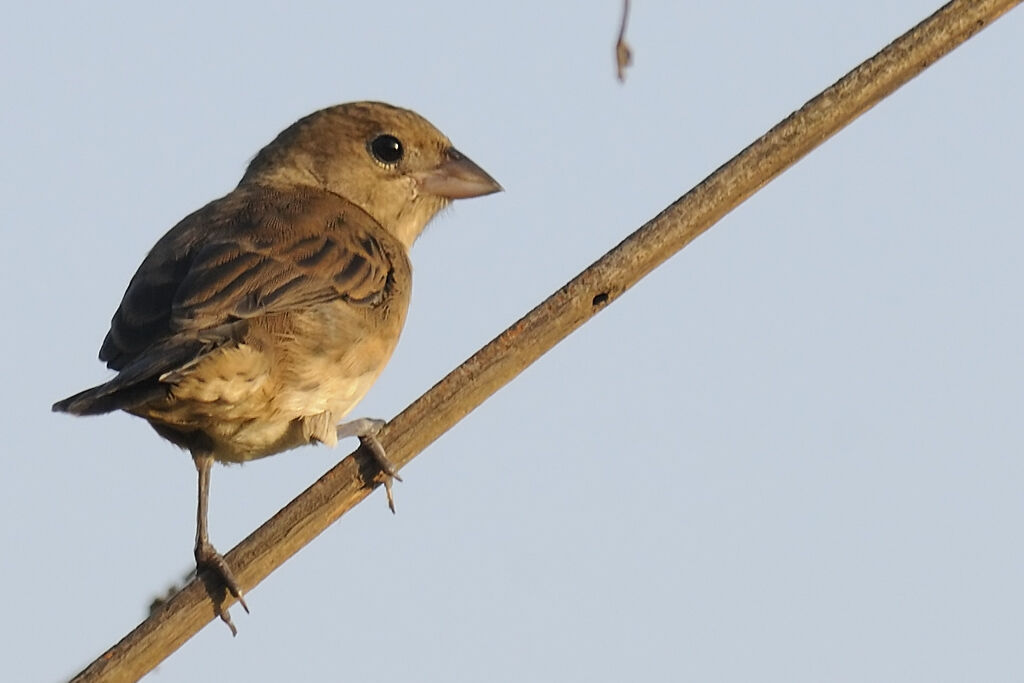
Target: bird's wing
236 259
242 276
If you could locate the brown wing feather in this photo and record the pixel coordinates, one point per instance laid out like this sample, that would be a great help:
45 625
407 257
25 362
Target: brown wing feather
255 252
236 278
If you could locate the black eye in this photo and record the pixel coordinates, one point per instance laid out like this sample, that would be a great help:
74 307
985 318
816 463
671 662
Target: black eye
387 149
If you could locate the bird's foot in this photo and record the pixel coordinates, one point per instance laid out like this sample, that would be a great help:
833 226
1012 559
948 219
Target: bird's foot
207 557
367 429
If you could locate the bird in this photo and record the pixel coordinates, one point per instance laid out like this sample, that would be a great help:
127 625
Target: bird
259 321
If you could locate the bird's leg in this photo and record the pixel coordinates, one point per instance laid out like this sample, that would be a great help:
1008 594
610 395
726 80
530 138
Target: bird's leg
207 556
367 429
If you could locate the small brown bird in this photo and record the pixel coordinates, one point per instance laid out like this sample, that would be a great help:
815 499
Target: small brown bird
259 321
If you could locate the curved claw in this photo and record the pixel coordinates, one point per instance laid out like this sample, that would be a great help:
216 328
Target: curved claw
207 557
367 429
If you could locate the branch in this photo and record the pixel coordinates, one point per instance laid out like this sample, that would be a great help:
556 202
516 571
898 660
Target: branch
513 350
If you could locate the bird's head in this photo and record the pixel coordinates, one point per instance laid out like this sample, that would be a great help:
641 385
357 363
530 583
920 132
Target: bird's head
391 162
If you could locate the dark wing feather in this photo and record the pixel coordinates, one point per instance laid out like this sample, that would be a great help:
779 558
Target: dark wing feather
237 278
143 318
254 252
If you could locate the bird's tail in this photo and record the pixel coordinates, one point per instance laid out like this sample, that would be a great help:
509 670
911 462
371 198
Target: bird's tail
147 377
106 398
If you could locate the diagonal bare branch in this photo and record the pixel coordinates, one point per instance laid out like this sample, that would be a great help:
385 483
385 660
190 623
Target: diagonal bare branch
524 342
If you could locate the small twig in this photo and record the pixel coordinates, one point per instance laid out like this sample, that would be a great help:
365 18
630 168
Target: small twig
513 350
623 53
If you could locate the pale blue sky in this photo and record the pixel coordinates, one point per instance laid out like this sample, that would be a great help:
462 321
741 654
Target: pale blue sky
793 453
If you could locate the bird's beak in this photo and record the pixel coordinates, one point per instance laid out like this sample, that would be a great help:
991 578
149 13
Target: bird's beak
457 177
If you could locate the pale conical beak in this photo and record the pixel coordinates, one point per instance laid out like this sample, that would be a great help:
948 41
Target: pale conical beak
457 177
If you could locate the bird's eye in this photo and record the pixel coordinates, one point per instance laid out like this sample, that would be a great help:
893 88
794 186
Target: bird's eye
387 149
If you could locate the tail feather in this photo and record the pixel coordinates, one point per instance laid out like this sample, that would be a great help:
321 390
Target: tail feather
105 399
138 382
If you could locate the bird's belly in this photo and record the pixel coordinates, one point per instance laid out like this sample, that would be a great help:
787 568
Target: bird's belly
257 430
323 384
250 407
